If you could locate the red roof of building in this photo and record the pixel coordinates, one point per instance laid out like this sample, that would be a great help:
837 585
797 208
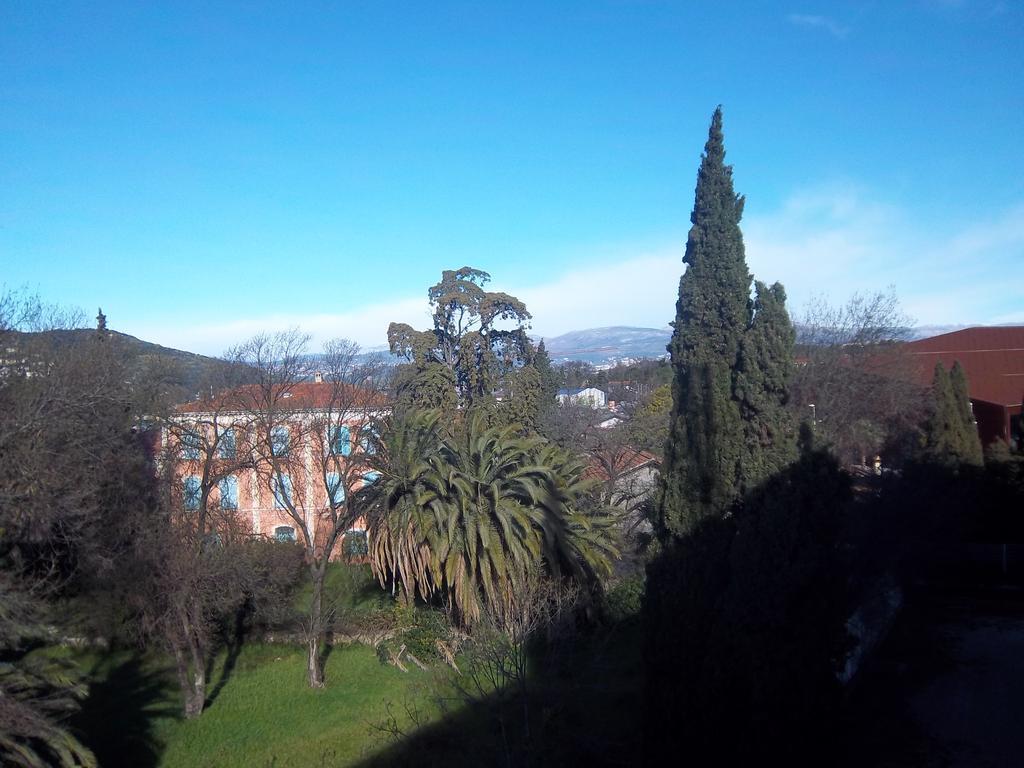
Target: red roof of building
625 462
304 395
992 358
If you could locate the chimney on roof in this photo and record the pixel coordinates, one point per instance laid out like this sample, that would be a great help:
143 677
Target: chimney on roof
318 377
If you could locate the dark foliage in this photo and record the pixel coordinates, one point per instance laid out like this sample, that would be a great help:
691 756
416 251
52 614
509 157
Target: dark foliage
745 626
951 437
732 361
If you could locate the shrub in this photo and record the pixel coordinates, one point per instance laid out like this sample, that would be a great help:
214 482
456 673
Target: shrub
355 545
623 601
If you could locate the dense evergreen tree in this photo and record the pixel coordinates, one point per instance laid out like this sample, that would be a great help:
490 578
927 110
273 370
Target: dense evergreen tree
971 451
471 358
425 385
762 379
951 437
548 375
746 627
522 400
727 427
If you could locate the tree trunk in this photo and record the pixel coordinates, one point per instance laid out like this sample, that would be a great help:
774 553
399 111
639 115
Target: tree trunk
191 669
192 680
314 661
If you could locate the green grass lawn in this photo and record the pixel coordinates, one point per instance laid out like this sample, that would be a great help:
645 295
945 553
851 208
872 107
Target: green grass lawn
261 712
264 714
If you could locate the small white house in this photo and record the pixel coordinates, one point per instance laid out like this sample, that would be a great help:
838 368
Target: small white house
591 396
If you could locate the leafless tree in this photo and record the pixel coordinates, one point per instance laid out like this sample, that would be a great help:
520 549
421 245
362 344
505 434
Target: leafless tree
191 557
497 654
612 453
310 445
66 460
852 382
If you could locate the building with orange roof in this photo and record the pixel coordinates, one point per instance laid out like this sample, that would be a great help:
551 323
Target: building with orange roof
257 475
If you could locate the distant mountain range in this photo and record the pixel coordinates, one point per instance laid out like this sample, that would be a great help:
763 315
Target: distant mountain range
604 346
184 372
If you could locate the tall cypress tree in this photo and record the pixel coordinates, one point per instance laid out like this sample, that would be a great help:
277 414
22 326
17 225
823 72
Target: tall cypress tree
548 377
951 437
968 443
939 432
706 431
762 387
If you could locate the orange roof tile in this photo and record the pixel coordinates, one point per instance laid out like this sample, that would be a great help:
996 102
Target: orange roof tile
304 395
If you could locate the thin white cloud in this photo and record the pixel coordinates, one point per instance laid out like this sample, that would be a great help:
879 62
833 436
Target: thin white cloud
829 240
366 325
831 26
640 290
838 239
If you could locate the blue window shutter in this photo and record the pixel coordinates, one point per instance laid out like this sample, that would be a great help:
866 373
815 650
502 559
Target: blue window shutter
366 440
335 490
190 445
279 438
191 493
371 477
229 492
341 445
227 444
282 492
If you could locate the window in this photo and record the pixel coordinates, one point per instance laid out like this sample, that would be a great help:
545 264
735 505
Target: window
355 544
279 439
229 492
370 478
341 440
368 440
190 446
284 533
191 492
282 491
227 448
335 490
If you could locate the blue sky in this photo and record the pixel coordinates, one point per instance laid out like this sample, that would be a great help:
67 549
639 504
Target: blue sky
204 173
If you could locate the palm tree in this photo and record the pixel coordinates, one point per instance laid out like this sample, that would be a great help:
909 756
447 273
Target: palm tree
487 527
591 532
470 513
399 501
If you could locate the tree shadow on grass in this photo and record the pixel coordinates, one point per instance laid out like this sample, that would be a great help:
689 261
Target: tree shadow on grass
234 649
584 709
117 719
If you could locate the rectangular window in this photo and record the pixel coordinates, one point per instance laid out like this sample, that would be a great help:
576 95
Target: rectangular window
335 490
341 440
279 439
282 492
229 492
228 447
190 446
284 533
368 440
191 493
